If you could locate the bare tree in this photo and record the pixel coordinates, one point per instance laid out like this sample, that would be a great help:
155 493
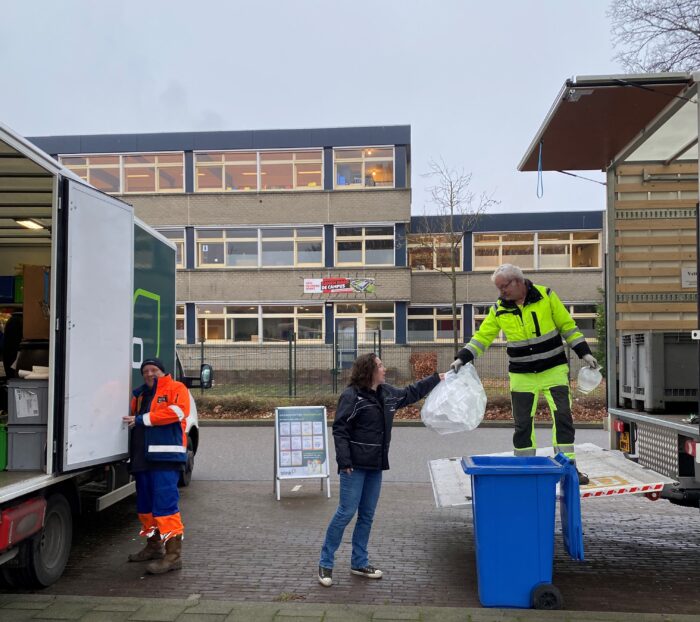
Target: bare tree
456 210
656 35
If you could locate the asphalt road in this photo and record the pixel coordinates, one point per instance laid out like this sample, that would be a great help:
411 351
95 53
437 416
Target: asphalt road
235 453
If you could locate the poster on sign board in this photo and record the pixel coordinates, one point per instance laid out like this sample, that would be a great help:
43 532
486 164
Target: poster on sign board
301 444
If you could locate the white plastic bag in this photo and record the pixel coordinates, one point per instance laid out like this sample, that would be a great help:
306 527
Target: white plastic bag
457 404
588 379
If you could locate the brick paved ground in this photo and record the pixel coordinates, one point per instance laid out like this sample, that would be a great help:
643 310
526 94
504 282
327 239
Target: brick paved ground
243 545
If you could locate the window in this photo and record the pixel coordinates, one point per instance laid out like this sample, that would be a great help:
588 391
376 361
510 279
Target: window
579 249
147 173
479 313
251 171
211 325
242 248
144 173
492 250
370 167
256 323
308 246
242 324
103 172
210 248
434 252
585 316
273 247
219 171
291 170
372 318
177 237
433 323
555 250
367 246
180 334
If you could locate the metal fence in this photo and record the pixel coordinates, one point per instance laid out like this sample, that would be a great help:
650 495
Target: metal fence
301 369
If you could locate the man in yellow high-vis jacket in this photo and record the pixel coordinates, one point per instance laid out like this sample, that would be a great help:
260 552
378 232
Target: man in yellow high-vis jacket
535 324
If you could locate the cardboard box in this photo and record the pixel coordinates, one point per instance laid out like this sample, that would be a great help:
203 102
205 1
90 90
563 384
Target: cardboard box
36 302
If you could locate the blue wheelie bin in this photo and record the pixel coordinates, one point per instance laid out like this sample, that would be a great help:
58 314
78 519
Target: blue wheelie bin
514 501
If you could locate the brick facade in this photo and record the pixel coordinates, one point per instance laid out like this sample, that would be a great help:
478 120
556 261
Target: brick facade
364 204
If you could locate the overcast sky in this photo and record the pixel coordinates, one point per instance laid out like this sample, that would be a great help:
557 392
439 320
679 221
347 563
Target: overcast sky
474 79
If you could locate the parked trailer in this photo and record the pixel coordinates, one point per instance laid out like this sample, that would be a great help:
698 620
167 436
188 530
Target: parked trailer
99 297
642 131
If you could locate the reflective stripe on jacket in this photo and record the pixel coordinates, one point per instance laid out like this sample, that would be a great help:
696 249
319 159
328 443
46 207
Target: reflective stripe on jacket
533 332
166 422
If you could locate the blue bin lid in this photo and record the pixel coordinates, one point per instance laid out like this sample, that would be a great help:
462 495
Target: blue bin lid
511 465
570 509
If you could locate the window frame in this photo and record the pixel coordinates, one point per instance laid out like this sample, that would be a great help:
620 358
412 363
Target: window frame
294 161
295 239
363 160
181 317
435 317
363 334
537 243
180 243
122 167
434 247
363 240
259 315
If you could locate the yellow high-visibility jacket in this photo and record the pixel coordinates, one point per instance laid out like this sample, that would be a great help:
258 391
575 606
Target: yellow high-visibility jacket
533 332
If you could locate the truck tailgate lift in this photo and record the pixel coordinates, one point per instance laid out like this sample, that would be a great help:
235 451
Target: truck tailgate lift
610 473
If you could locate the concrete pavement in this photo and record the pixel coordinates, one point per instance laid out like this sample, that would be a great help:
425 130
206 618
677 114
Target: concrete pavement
195 609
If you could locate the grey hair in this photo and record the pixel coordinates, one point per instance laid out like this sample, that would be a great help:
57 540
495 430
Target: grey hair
509 271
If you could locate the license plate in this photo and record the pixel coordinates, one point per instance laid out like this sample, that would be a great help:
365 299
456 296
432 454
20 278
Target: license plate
624 442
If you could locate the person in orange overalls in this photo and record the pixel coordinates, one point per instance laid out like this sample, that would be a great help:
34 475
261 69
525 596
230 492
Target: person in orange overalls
158 451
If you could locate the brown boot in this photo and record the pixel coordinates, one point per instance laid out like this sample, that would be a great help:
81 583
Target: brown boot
154 549
171 561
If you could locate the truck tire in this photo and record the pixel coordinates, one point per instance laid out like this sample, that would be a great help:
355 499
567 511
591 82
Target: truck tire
186 475
43 558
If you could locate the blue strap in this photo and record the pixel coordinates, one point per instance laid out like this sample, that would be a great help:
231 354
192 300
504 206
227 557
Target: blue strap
540 181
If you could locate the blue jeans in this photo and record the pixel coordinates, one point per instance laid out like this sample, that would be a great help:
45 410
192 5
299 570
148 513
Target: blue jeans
359 492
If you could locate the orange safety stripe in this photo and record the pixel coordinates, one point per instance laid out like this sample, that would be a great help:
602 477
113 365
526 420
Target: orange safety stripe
170 526
148 525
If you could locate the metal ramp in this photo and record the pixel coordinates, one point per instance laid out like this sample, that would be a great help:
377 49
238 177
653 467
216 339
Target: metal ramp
610 474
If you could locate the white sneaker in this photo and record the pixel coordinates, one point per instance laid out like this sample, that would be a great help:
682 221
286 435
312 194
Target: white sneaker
325 576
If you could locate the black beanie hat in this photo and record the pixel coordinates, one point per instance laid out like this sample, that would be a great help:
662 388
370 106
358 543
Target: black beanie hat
155 362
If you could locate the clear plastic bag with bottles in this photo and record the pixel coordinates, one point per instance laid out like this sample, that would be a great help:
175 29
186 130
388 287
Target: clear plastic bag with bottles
457 404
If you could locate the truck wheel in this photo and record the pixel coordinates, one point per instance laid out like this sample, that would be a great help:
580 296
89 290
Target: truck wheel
186 475
546 596
43 558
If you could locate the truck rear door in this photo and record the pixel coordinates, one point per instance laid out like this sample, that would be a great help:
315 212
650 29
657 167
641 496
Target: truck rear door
96 327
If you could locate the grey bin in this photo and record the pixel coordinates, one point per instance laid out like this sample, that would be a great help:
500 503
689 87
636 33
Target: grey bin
28 401
26 447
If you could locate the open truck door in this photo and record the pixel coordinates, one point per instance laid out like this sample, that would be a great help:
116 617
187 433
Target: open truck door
97 282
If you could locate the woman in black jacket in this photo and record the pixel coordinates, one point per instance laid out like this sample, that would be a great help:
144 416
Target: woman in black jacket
362 434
